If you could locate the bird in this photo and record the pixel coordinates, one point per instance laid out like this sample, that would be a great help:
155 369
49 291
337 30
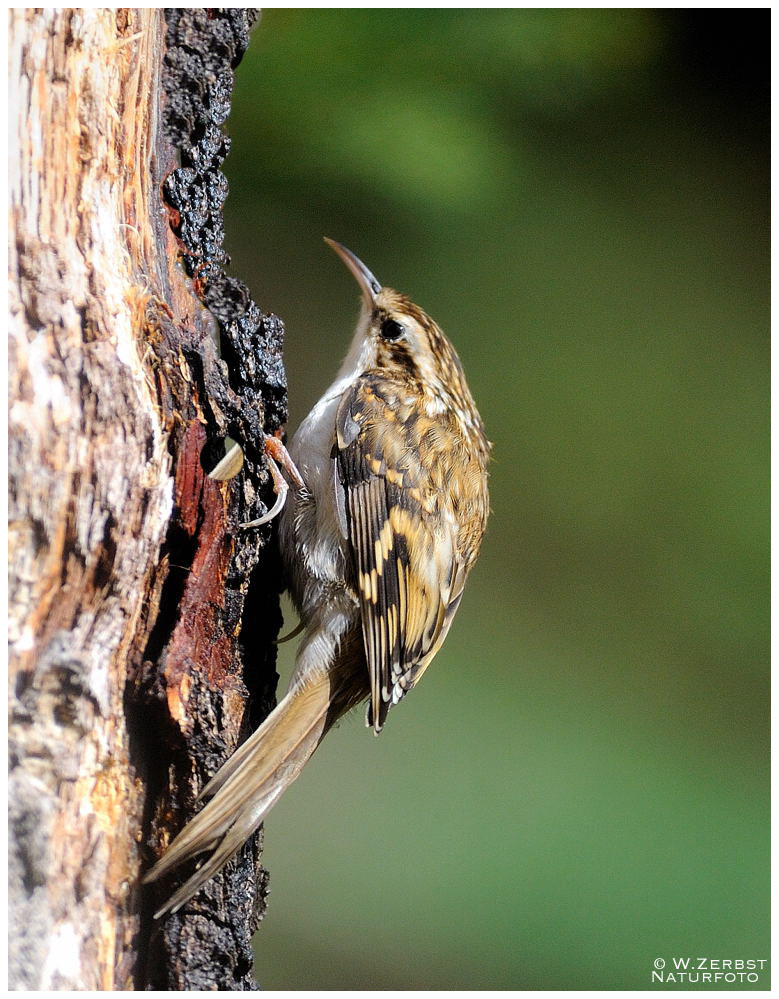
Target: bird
380 529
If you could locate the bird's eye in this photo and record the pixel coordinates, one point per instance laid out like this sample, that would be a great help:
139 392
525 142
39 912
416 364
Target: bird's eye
391 329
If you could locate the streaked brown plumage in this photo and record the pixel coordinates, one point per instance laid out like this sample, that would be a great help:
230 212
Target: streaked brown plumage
377 544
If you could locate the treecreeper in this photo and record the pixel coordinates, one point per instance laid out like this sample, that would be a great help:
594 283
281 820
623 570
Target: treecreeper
378 531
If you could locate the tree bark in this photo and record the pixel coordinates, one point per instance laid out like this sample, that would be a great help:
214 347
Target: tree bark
127 576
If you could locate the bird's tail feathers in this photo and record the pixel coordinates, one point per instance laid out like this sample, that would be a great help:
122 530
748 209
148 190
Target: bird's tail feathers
245 789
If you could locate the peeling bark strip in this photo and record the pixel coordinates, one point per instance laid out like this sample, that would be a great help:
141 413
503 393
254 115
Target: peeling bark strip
127 578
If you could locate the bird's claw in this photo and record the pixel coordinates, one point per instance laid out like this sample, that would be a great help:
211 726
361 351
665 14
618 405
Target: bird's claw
274 449
276 452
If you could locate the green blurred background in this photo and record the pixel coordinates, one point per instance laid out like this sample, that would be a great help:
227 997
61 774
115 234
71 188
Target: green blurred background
580 198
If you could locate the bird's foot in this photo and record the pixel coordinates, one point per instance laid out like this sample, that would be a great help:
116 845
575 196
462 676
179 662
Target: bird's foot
276 454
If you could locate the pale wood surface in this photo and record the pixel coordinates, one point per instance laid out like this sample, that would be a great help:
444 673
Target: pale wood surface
106 423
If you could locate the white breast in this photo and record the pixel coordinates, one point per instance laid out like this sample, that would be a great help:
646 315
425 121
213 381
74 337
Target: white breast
313 548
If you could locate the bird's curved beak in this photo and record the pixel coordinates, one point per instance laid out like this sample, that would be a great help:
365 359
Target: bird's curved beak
369 286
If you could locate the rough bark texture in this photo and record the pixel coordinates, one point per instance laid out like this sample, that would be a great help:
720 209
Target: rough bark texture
127 576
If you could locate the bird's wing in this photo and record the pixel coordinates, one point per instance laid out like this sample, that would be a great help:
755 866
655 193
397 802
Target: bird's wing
403 539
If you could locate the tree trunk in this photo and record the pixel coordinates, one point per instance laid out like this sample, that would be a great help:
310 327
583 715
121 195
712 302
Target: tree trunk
127 575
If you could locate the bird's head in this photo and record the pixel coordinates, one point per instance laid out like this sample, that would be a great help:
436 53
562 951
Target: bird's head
396 336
